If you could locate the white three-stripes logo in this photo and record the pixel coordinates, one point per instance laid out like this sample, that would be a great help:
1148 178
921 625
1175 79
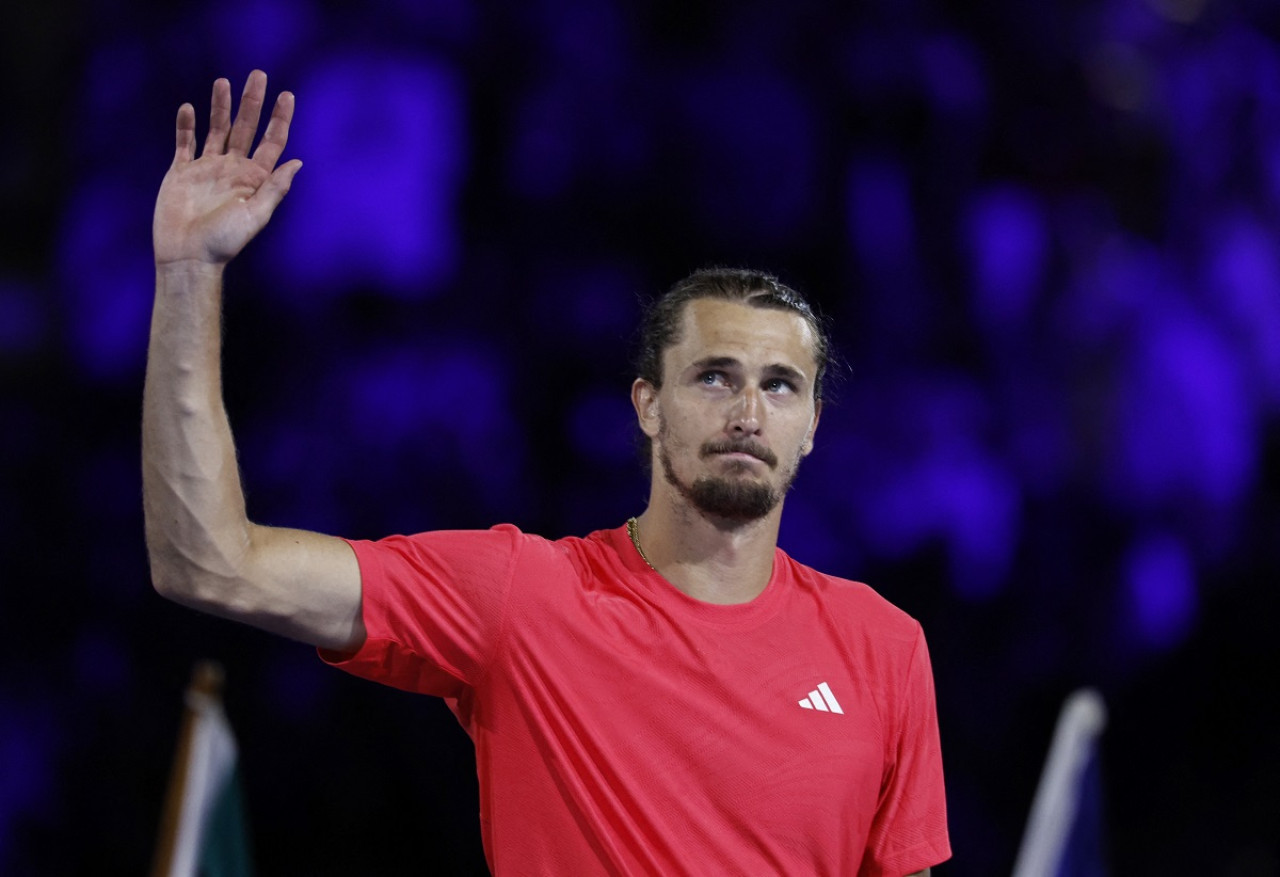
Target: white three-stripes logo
822 699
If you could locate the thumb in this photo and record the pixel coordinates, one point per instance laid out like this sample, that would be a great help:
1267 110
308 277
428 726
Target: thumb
272 192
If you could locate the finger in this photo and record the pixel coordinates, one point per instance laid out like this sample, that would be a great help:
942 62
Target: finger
246 125
215 142
277 133
186 134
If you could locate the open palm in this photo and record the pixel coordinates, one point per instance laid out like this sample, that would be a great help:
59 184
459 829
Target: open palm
210 207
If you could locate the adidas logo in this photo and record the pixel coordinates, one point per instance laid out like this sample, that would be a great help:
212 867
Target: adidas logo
822 700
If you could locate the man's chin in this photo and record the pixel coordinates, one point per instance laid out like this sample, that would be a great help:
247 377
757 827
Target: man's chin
733 499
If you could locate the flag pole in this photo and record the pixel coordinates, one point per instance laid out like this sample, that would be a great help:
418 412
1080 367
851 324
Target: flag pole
1057 799
206 684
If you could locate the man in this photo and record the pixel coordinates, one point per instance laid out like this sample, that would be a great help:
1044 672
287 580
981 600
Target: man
673 696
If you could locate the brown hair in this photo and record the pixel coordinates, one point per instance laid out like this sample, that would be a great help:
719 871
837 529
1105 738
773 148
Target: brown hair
660 327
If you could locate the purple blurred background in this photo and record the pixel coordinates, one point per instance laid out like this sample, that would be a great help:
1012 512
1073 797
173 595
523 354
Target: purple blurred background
1047 234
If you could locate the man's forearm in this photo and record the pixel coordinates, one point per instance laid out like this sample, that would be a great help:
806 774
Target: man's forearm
197 531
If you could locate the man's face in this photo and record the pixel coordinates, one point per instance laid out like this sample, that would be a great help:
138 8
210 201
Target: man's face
736 413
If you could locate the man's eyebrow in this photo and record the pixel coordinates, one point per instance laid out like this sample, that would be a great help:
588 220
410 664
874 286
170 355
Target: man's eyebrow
782 370
715 362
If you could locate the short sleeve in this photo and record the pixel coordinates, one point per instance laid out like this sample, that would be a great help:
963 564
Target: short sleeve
909 830
433 607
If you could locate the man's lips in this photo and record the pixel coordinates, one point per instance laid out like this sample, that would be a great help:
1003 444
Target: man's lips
741 450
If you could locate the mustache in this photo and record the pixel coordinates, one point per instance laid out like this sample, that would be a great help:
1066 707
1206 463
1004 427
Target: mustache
745 446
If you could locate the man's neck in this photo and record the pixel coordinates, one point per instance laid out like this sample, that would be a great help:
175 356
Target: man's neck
707 558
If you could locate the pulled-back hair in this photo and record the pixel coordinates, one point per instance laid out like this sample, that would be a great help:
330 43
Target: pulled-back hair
660 327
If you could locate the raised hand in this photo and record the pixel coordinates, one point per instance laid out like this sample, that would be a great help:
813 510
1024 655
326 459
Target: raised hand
210 207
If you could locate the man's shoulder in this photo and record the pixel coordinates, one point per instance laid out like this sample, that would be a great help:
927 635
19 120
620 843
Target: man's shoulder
596 542
853 600
582 553
500 540
502 533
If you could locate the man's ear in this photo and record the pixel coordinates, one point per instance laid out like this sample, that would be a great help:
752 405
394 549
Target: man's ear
807 445
644 398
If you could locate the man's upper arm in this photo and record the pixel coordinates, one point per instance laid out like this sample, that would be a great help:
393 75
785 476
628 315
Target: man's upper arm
302 585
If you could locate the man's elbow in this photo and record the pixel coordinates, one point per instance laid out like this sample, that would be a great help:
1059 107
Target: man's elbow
200 570
196 585
182 584
168 577
164 585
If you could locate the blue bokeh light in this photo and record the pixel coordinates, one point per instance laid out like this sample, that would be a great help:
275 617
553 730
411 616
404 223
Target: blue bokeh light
1243 281
442 405
880 214
105 272
395 396
385 140
1185 425
933 482
1159 581
263 34
1008 248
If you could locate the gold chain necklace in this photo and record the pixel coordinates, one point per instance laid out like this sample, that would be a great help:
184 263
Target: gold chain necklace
633 530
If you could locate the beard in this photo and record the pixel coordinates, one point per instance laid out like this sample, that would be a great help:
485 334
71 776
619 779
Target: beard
732 499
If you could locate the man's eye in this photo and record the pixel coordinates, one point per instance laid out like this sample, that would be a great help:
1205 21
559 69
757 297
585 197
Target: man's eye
712 378
778 385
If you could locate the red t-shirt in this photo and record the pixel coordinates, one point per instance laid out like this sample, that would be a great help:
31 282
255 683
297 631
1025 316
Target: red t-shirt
622 727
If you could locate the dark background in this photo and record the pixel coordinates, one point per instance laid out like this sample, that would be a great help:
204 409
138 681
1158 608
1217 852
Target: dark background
1046 233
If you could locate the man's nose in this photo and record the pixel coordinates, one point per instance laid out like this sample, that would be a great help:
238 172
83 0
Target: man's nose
744 418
